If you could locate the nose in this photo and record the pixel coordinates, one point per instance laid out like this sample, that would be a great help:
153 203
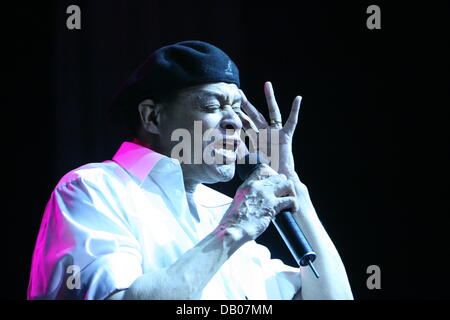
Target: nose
231 120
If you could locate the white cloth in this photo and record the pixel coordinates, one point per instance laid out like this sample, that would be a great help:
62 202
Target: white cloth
121 218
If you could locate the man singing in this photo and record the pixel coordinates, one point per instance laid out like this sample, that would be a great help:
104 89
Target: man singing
144 225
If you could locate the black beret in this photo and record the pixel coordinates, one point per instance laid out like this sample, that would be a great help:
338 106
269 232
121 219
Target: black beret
173 67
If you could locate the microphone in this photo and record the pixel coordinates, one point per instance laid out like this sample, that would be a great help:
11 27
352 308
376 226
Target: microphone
284 222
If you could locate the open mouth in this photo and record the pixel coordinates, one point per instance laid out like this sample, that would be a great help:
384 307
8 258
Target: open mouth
226 148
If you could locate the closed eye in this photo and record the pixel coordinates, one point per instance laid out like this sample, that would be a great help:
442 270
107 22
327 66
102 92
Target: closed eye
211 107
214 107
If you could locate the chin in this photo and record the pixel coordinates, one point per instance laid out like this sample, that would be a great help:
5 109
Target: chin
222 173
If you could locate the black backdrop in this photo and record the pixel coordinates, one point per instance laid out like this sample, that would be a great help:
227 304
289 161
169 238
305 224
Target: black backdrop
370 123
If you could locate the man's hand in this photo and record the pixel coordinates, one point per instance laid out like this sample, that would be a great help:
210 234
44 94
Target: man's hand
253 119
263 195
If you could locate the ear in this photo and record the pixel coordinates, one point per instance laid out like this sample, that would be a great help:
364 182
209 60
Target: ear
149 115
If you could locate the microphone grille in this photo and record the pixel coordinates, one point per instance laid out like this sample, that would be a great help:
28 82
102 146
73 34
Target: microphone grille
246 165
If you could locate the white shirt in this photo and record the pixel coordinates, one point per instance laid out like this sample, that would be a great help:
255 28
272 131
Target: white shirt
108 223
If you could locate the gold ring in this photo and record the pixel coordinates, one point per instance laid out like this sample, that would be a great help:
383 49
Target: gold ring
275 121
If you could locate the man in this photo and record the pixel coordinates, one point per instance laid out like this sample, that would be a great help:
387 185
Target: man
144 226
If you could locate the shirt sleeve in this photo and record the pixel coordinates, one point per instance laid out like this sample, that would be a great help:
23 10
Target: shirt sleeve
86 248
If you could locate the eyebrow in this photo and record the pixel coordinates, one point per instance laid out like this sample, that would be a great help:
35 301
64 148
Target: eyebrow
217 94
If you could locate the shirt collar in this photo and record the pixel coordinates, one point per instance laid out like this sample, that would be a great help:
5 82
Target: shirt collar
138 160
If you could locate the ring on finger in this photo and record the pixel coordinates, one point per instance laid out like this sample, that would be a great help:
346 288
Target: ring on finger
275 121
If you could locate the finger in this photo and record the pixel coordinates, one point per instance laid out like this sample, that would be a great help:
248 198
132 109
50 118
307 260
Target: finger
274 111
291 122
286 203
276 178
284 189
253 113
247 122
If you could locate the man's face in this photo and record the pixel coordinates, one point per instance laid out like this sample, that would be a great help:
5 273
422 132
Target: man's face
209 114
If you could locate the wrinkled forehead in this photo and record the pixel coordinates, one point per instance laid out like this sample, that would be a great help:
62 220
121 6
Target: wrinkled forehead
222 90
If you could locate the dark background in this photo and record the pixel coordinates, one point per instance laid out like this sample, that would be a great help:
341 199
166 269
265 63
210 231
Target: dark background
369 145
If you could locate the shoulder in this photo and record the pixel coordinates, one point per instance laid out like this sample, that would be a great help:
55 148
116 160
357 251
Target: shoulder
95 174
93 189
105 181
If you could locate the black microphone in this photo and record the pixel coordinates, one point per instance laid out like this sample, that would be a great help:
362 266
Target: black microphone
284 221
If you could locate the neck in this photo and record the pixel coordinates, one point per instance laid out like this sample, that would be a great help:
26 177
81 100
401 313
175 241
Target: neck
189 186
144 143
152 143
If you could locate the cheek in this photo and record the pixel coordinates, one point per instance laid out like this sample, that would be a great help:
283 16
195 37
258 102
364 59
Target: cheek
199 125
210 126
210 121
178 120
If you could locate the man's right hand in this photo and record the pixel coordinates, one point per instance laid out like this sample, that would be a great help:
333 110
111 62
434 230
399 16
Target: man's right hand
256 202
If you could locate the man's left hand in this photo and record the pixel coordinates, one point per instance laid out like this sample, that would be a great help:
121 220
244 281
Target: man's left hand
253 119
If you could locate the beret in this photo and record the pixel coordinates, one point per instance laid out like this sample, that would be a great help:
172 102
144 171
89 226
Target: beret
176 66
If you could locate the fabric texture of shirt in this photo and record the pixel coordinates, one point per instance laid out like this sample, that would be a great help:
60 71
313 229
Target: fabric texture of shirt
108 223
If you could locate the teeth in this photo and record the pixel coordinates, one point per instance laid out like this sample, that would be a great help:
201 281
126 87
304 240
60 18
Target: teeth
231 145
226 149
226 152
